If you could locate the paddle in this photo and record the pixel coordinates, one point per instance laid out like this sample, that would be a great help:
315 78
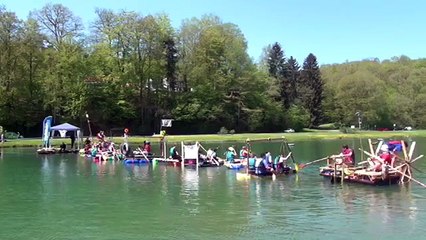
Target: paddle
303 165
296 166
403 174
143 154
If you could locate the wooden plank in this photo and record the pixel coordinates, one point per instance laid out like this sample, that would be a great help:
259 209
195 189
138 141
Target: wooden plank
371 146
410 153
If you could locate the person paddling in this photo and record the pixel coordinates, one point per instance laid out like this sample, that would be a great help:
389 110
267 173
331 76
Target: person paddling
230 155
174 153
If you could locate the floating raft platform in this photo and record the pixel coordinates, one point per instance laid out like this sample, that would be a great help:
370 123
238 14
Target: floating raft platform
56 150
361 175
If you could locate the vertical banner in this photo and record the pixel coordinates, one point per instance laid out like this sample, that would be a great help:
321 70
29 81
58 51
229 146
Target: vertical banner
47 123
166 122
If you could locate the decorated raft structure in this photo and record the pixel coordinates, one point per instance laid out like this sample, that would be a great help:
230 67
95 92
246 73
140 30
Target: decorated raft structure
384 165
191 155
279 166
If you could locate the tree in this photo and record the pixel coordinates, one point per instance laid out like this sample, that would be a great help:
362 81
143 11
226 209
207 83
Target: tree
276 61
171 55
313 89
293 78
279 71
59 23
10 38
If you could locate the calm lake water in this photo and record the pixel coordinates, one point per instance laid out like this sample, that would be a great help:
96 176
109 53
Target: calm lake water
70 197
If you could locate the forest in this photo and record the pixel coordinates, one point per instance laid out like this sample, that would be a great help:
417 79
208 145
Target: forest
129 70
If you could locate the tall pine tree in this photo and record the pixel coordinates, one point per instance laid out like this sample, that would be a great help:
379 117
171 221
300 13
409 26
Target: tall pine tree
314 88
171 61
293 78
278 69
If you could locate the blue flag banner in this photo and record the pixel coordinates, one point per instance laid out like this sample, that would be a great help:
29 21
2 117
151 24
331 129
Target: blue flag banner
47 123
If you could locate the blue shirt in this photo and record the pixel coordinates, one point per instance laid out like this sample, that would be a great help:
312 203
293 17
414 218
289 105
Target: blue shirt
230 156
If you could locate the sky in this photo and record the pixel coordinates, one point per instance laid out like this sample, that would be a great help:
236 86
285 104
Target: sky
335 31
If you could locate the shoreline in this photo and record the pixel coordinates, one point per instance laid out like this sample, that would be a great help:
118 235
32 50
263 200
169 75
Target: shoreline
298 136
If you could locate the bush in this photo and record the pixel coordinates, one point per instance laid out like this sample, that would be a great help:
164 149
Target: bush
232 131
329 126
297 118
347 130
223 130
11 135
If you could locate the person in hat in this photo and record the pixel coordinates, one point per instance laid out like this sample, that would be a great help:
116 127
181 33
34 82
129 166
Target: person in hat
386 157
230 155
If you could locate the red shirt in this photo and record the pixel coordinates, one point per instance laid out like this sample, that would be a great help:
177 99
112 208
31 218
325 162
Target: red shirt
147 148
386 157
347 152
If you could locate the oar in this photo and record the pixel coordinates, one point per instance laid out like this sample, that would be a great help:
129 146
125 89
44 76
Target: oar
303 165
403 174
143 154
296 166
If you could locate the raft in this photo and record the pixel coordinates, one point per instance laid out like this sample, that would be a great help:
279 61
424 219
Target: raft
360 175
235 166
55 150
135 161
100 158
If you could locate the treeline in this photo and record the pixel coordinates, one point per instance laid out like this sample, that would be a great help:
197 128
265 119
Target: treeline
130 70
385 93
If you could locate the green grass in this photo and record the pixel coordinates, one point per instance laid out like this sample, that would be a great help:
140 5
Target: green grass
299 136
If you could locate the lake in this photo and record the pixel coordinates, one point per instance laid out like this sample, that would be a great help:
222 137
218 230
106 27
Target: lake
70 197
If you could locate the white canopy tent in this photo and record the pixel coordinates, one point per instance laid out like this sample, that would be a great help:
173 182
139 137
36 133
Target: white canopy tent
66 127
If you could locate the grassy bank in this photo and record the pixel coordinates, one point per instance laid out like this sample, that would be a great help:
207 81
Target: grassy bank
299 136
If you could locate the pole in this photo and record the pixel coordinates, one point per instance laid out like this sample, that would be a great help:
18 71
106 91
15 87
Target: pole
88 124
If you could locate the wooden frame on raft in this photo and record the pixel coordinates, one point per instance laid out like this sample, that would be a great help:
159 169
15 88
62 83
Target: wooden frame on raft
362 174
284 147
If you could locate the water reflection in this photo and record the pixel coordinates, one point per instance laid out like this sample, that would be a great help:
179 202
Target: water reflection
189 190
114 199
138 173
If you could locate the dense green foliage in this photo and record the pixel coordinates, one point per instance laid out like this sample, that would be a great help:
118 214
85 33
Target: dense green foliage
386 93
131 70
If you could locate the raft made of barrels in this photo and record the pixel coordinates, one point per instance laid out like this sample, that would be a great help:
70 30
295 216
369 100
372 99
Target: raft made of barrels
135 161
235 166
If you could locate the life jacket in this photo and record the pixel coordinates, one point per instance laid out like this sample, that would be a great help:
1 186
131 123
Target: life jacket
386 157
252 162
172 151
147 148
349 155
230 156
243 153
